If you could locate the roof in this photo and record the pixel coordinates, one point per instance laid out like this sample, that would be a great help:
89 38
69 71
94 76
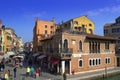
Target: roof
108 25
78 17
100 37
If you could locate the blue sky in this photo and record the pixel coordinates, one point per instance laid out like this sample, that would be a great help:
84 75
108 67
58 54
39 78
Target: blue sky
20 14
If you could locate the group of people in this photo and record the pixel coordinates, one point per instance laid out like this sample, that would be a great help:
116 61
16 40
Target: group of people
31 71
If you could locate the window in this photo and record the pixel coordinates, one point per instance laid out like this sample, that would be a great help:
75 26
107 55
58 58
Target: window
51 27
79 28
94 61
76 22
106 31
91 32
75 28
107 60
90 24
90 62
45 31
94 47
65 44
80 63
80 45
83 25
51 32
106 45
45 26
99 61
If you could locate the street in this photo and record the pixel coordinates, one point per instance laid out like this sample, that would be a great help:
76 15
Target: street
21 75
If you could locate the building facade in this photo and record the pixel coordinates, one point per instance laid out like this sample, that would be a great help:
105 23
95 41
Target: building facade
113 30
41 30
80 24
72 52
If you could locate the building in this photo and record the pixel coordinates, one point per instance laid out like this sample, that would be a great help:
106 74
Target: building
28 46
20 41
77 52
113 30
7 42
81 24
41 30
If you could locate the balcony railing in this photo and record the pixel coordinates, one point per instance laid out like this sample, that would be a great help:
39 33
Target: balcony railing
63 53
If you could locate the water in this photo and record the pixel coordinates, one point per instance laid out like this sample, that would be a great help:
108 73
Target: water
115 76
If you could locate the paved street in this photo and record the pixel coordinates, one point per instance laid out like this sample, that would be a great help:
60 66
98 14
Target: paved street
47 76
21 74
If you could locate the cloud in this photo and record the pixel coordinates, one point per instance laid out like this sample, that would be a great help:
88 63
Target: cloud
110 9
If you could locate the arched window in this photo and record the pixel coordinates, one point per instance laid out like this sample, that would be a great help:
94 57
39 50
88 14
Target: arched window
90 62
80 45
65 44
80 63
93 62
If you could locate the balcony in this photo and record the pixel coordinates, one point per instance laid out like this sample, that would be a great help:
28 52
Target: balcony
59 52
64 53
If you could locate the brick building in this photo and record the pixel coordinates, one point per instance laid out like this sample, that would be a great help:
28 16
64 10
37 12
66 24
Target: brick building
79 52
42 30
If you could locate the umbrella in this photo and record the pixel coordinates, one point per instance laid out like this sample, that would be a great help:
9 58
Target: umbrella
18 57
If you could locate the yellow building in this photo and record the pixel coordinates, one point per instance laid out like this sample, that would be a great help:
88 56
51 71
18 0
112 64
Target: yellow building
7 42
82 24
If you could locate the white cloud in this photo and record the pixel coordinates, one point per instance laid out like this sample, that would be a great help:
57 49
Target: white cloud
109 9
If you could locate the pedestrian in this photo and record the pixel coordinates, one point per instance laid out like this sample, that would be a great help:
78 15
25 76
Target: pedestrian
40 71
2 66
28 71
21 64
64 76
6 75
37 72
15 70
32 71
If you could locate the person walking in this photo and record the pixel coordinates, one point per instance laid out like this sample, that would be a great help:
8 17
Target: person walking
32 71
64 76
28 71
15 70
37 71
6 75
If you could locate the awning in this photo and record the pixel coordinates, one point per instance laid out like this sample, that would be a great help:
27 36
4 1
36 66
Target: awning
21 57
1 53
54 60
6 55
10 53
42 56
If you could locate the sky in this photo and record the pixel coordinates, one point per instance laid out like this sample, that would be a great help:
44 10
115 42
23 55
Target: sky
20 14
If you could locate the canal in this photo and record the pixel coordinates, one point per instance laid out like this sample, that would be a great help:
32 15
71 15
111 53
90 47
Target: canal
115 76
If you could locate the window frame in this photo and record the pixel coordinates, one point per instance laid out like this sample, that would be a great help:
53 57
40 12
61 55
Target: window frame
79 63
